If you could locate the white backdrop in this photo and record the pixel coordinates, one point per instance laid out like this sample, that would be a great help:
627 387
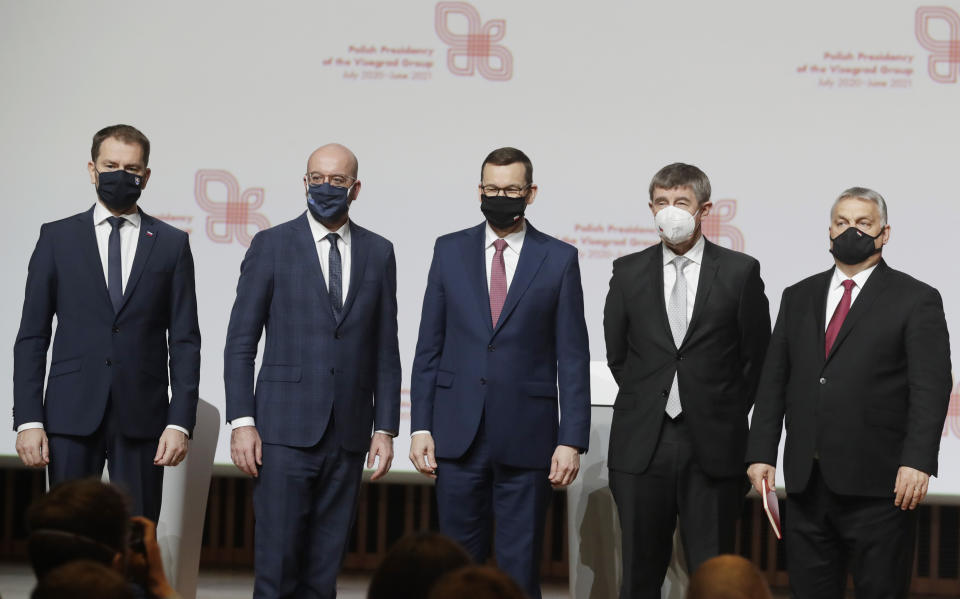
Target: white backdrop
782 105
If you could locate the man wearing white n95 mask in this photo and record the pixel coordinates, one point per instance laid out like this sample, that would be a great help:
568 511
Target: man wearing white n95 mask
686 325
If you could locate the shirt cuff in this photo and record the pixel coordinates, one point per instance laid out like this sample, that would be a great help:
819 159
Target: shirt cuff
414 433
29 425
387 433
244 421
179 428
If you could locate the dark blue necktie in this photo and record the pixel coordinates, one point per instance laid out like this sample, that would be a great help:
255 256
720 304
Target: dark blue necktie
114 270
336 275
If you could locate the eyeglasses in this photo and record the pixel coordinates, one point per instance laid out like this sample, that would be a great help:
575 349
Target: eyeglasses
510 192
335 180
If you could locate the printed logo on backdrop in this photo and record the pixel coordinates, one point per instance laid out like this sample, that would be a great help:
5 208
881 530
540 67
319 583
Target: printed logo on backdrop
938 31
232 217
473 50
597 241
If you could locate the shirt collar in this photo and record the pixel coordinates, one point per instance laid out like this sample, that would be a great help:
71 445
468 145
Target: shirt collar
695 254
860 279
319 231
514 240
101 214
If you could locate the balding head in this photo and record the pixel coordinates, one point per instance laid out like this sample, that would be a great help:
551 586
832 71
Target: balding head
728 577
333 159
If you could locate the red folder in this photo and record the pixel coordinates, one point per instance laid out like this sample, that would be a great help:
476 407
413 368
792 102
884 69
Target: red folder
772 507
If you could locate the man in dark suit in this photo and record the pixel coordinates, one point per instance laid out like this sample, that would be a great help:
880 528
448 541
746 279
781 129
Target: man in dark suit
502 325
325 289
859 366
121 285
686 324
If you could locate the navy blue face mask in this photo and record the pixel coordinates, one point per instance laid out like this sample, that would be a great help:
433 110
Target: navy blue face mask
327 203
118 190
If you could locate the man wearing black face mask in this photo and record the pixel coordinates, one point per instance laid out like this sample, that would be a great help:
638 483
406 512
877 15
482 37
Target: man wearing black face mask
121 285
502 329
325 290
859 367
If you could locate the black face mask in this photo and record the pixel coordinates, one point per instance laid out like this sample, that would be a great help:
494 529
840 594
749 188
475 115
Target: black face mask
853 246
118 190
502 212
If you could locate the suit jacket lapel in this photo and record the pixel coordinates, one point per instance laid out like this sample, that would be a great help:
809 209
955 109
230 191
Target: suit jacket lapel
91 252
145 243
708 272
872 289
655 274
474 257
306 248
532 255
358 263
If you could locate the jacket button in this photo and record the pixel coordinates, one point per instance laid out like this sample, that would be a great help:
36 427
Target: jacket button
665 393
333 370
490 348
483 381
823 381
116 329
108 362
679 357
336 335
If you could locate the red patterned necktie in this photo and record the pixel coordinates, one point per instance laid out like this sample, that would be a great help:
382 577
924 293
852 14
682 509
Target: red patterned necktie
498 281
839 314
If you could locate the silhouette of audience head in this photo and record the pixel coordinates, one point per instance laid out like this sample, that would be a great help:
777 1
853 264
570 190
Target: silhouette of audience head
476 582
414 564
728 577
82 579
80 519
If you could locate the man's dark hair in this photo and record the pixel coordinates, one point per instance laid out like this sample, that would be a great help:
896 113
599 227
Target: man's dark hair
505 156
79 519
679 174
476 582
124 133
414 564
82 579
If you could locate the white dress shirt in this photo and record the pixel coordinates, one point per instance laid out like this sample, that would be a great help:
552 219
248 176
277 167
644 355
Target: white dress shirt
511 256
129 236
835 294
691 272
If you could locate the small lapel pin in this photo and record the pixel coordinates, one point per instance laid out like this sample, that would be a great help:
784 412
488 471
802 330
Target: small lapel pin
149 233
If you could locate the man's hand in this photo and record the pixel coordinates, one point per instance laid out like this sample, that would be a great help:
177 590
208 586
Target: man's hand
910 488
422 454
380 445
246 449
33 448
171 449
759 471
148 569
564 466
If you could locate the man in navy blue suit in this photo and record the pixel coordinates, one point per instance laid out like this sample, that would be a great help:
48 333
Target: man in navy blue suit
121 285
328 391
502 328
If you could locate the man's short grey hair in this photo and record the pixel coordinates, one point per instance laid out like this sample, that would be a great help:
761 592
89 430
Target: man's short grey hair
864 193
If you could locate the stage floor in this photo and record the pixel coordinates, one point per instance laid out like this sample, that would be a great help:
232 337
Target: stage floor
16 582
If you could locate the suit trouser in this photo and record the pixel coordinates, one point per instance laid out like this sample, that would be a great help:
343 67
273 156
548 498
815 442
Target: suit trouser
129 462
304 502
672 486
474 491
827 534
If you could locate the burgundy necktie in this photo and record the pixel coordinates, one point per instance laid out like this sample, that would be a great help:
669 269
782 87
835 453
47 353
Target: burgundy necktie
498 281
836 321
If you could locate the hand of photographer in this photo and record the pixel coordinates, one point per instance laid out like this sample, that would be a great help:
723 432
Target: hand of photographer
148 569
